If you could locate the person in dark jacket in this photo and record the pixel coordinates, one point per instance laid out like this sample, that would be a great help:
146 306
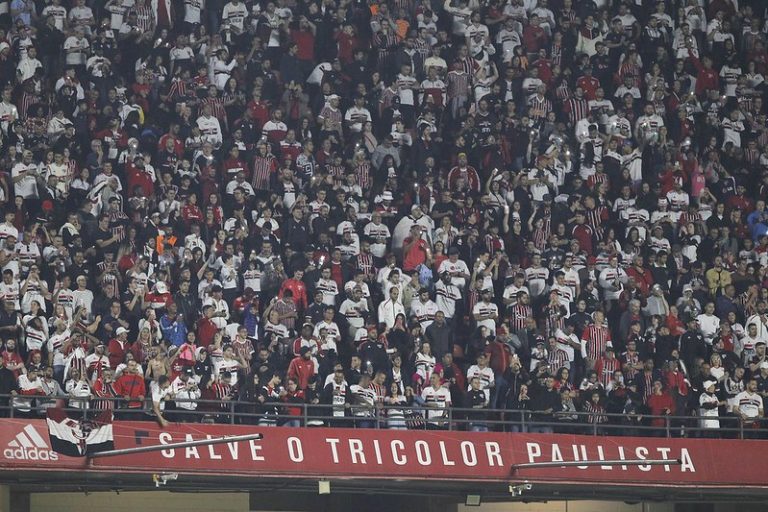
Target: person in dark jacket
544 402
477 400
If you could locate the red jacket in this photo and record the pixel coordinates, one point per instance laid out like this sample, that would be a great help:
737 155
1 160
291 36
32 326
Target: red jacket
299 291
302 370
499 355
137 176
706 79
657 404
116 352
205 331
132 386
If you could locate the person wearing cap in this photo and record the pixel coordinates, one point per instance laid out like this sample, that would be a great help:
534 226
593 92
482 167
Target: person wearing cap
118 346
97 362
457 268
186 391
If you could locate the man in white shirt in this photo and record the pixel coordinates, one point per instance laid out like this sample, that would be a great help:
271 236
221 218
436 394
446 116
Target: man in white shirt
482 371
8 111
185 390
221 308
749 405
161 392
612 279
328 286
379 234
328 325
424 309
437 400
357 115
390 308
24 175
27 66
456 268
486 312
210 128
355 310
76 47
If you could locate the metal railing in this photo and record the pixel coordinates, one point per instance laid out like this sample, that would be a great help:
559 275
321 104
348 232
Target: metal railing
413 417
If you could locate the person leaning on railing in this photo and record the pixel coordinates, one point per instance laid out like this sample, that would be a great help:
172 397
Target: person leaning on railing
130 386
544 402
750 409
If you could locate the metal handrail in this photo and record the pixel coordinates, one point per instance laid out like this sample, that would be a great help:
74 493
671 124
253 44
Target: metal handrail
455 418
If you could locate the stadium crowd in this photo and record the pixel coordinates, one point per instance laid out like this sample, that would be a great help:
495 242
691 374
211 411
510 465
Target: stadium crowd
556 206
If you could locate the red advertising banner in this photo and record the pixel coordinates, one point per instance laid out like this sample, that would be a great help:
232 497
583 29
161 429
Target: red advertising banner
414 455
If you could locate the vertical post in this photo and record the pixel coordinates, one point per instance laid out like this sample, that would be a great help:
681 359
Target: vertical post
304 414
231 412
667 426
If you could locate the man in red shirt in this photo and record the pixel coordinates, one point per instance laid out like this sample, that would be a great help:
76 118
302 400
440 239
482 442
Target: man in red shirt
707 78
302 368
118 346
416 250
139 175
206 328
298 288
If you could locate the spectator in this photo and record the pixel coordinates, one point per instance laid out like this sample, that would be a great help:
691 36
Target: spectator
551 175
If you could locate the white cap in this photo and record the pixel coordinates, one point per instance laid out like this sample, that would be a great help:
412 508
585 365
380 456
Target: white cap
121 330
709 383
161 287
387 196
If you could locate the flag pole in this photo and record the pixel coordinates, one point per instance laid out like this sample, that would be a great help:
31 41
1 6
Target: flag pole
617 462
171 446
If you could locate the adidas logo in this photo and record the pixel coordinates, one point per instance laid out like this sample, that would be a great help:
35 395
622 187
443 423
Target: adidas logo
29 445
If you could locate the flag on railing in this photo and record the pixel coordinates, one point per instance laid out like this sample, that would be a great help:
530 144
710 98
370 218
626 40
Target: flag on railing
79 437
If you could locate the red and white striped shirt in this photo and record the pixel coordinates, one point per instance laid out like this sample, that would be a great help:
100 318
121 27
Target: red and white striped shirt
519 313
458 84
597 338
263 167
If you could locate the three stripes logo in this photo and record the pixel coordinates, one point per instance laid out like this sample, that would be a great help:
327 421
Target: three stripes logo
29 445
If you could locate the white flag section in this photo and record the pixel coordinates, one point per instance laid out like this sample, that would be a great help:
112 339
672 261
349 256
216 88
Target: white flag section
79 437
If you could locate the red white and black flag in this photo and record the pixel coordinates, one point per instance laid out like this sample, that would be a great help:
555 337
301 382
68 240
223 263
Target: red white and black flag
78 437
